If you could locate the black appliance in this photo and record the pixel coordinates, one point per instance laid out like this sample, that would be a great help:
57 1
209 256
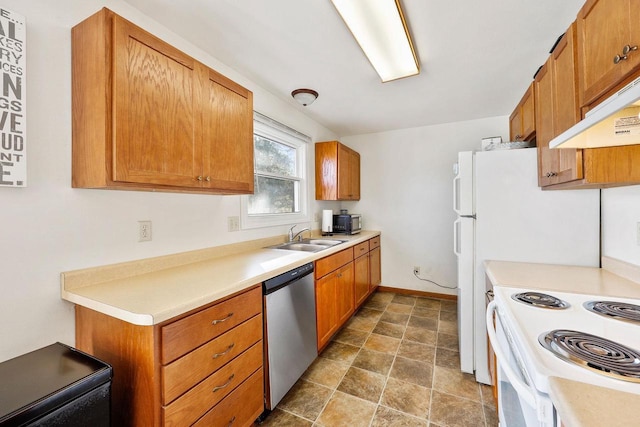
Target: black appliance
347 223
56 385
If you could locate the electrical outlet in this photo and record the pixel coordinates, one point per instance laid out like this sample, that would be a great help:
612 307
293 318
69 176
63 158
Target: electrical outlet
416 270
233 223
144 231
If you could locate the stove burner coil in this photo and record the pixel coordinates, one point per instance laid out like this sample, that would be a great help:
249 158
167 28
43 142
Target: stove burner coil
616 310
598 354
536 299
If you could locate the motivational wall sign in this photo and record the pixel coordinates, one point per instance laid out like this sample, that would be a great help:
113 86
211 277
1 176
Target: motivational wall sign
13 59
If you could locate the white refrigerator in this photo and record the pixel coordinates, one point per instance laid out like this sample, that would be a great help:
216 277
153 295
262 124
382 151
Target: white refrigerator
504 215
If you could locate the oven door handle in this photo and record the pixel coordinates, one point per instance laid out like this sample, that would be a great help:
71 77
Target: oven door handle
521 388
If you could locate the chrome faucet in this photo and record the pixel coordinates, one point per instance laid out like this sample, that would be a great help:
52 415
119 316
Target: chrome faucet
292 236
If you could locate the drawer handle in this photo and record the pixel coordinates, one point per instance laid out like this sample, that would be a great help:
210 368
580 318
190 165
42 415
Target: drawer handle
215 356
220 387
231 421
215 322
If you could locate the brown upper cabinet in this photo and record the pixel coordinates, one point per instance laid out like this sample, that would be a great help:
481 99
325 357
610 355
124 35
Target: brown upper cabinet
608 40
337 172
556 91
146 116
580 73
522 122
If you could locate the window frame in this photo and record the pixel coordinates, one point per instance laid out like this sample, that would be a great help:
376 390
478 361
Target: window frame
271 129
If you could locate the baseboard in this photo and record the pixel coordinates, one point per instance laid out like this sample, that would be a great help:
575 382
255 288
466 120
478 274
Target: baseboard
417 293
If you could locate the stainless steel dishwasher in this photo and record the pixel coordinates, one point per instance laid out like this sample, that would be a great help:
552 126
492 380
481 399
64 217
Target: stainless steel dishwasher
290 328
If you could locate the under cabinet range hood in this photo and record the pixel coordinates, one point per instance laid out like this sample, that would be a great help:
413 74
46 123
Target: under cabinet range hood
616 121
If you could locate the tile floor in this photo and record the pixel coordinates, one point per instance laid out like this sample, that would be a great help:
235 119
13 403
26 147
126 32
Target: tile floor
395 363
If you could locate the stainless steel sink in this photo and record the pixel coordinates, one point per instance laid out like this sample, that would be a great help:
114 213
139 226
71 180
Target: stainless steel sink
308 245
324 242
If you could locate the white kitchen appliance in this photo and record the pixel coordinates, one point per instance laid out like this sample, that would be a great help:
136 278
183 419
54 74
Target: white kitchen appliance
592 339
504 215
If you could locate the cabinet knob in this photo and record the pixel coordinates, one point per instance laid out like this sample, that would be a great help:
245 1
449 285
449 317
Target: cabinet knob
518 137
208 179
618 58
199 178
550 174
628 48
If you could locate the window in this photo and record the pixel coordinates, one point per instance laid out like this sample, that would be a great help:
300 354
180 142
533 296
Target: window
280 195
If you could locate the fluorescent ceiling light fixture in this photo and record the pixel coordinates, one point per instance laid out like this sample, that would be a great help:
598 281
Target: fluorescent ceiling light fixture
380 29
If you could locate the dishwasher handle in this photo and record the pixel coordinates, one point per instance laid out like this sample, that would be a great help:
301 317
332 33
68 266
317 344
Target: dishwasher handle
272 285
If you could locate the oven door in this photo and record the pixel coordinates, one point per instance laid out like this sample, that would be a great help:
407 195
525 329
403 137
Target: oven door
519 404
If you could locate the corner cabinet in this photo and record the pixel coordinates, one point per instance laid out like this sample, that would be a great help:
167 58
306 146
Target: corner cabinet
204 368
337 172
146 116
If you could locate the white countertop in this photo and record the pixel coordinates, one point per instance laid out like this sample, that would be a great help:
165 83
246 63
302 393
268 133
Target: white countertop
579 404
148 292
561 278
593 406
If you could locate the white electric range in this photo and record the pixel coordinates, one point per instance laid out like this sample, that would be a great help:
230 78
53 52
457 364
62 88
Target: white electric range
525 364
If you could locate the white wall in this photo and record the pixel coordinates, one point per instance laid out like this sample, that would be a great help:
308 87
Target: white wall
620 216
406 193
49 227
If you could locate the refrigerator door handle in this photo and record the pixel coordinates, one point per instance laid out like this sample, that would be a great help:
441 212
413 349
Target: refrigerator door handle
456 194
456 248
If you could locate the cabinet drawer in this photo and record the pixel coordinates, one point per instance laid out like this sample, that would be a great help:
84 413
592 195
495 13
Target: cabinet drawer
240 408
374 243
193 404
189 370
182 336
333 262
360 249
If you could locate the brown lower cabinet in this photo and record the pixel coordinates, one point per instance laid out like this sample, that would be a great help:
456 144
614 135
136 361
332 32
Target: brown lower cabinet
344 280
205 367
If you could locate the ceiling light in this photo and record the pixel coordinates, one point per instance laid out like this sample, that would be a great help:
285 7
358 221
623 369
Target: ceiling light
380 29
304 96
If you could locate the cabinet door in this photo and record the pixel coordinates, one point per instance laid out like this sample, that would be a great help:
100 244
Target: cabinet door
354 172
566 110
548 160
522 122
344 173
515 125
345 295
227 135
375 272
326 311
604 28
154 111
362 283
528 105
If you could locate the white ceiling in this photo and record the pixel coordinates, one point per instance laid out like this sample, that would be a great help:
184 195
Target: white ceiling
477 57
